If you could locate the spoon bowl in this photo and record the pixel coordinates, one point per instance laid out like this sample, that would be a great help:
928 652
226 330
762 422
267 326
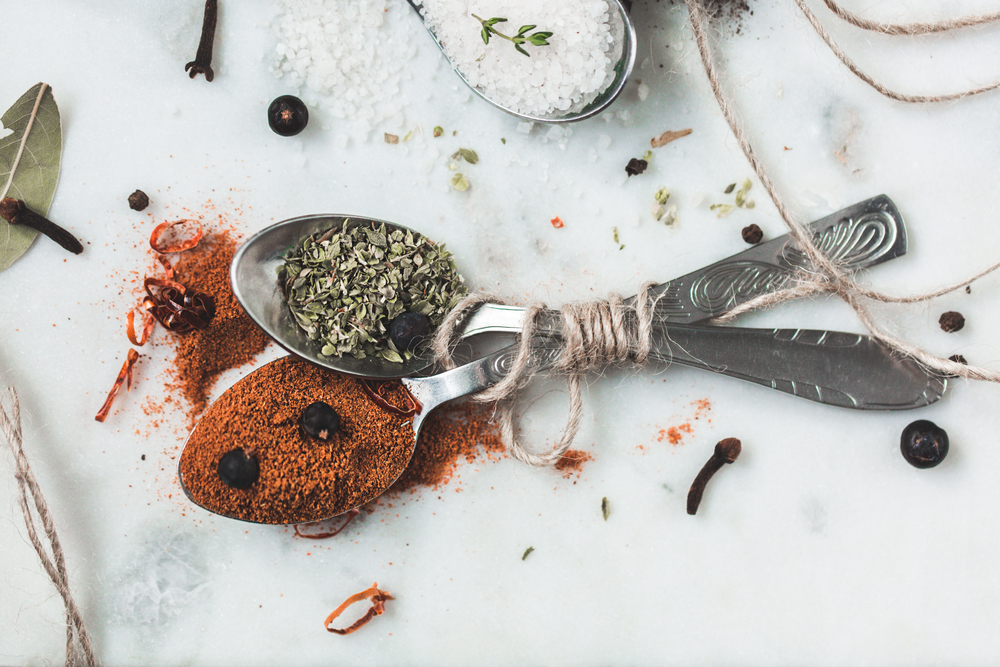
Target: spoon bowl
625 38
253 274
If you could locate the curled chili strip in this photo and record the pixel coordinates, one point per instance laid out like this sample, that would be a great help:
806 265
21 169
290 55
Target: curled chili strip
176 307
376 391
322 536
180 246
378 599
148 322
168 270
124 377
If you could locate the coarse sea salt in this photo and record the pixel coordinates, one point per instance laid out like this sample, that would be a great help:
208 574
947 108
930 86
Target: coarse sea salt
556 79
350 53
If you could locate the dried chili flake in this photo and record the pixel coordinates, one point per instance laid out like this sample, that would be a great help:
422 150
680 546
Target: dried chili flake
178 246
176 307
376 391
124 377
148 322
322 536
557 222
378 598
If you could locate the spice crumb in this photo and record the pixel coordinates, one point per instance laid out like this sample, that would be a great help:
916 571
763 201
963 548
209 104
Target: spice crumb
753 234
557 222
571 462
138 200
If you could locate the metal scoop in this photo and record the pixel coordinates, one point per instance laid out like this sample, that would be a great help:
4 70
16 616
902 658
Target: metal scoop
859 236
626 41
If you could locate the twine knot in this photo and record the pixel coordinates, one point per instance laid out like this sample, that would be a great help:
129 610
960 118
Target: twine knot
593 334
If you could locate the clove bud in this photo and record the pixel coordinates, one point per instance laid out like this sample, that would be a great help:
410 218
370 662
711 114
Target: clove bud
16 213
725 452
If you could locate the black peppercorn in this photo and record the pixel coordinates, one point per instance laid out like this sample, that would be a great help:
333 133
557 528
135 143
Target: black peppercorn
958 359
238 469
287 115
952 321
138 200
924 444
753 234
408 330
320 421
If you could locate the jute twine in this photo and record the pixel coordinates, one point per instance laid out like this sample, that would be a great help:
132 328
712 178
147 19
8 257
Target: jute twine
597 333
55 565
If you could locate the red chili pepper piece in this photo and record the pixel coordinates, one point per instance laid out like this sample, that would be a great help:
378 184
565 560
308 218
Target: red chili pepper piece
376 392
124 377
378 598
180 246
148 322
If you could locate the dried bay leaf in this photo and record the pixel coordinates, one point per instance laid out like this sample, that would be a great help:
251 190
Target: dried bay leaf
29 163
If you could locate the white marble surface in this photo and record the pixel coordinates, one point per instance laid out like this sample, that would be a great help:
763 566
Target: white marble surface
819 546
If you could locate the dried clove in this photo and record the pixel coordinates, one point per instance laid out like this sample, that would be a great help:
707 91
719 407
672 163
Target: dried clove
16 213
202 63
725 452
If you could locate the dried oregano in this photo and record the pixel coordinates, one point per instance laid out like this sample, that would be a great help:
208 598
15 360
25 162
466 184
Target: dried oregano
346 284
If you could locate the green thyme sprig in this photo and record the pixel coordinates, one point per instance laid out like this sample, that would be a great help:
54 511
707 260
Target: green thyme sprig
538 38
345 285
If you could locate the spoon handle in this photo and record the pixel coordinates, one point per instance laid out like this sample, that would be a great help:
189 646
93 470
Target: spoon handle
859 237
834 368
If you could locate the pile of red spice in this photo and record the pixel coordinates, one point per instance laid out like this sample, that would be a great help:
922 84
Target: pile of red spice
231 338
450 434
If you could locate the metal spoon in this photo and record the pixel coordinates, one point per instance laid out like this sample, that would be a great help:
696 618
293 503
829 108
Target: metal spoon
841 369
623 68
859 236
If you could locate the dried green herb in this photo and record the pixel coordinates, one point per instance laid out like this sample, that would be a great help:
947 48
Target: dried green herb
29 163
503 141
438 130
345 285
460 182
729 189
621 246
723 209
466 154
526 552
538 38
605 508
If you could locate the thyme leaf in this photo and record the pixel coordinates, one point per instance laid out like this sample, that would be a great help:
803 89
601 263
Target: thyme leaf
539 38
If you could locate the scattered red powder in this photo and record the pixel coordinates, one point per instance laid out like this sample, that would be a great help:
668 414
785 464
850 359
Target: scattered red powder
231 339
674 434
572 462
451 434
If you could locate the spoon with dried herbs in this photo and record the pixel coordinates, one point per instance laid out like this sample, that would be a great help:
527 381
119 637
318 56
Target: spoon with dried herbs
358 295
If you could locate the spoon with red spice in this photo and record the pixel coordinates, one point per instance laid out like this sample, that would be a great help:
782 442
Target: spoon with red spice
860 236
298 480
